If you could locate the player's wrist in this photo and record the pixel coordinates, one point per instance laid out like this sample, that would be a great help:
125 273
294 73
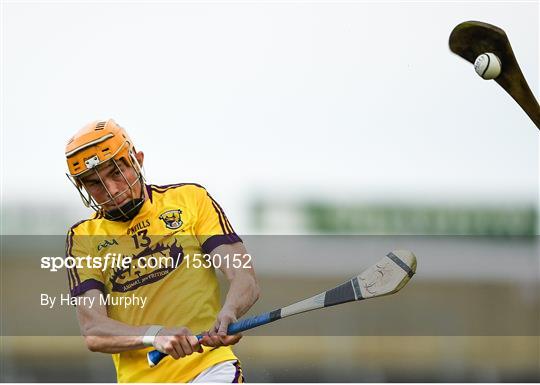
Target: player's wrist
151 334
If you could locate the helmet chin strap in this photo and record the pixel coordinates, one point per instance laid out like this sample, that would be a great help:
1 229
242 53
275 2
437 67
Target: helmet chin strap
130 209
127 212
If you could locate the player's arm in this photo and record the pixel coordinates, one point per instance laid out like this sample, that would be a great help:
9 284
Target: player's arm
219 240
243 287
243 290
106 335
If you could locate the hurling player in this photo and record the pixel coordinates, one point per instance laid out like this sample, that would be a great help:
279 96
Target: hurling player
180 222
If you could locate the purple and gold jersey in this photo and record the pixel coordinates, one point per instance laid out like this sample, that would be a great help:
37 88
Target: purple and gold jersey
177 223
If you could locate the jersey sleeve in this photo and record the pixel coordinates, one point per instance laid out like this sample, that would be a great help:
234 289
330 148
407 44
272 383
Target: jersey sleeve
82 278
212 227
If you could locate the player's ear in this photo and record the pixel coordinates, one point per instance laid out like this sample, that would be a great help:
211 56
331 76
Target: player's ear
140 157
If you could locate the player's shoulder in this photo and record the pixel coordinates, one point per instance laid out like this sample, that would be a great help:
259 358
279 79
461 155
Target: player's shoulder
185 189
85 226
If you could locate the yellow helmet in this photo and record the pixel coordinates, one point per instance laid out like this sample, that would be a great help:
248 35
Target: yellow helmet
96 143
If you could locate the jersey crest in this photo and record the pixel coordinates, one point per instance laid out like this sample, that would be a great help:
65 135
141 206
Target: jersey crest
172 219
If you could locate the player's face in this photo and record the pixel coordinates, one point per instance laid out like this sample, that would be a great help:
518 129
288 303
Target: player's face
117 184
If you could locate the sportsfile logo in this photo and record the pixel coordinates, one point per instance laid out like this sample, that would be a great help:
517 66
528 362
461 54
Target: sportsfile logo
109 260
116 261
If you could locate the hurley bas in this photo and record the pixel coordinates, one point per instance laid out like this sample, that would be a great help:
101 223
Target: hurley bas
106 300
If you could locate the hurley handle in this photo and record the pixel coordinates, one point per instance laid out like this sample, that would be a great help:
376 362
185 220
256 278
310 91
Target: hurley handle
155 356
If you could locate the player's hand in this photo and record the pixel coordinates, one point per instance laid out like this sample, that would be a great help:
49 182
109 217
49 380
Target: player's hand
217 336
177 342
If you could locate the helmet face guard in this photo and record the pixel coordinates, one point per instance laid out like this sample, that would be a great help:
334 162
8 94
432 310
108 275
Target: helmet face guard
99 146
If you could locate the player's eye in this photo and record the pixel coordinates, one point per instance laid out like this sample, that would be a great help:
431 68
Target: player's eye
93 184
